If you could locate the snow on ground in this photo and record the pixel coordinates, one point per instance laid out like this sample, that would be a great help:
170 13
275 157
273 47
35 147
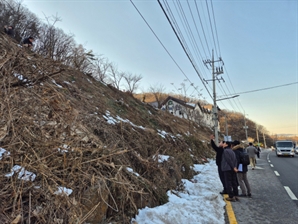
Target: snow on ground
200 202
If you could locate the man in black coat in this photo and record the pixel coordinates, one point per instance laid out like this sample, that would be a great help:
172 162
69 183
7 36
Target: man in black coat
9 30
219 149
229 167
28 42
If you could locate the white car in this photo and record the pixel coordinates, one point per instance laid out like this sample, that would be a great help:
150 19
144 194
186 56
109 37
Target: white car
296 150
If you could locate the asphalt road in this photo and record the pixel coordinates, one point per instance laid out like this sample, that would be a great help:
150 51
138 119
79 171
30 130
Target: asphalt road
286 169
270 202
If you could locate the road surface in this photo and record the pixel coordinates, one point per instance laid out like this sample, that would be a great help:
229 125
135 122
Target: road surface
270 202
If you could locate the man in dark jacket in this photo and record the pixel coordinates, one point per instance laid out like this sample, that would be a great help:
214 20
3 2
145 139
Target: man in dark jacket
242 173
229 167
9 30
259 150
28 42
219 149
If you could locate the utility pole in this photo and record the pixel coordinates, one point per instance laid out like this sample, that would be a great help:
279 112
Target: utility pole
245 127
257 134
227 131
215 72
264 140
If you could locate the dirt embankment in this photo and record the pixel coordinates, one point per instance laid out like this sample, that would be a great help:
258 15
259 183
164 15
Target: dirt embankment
74 150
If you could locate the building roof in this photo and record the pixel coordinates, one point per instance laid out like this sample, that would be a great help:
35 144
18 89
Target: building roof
189 105
182 102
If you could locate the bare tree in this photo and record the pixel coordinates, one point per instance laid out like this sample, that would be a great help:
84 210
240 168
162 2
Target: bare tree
116 76
132 81
53 42
158 92
25 23
101 68
82 60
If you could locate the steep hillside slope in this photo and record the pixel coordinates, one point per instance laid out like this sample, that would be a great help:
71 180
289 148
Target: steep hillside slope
74 150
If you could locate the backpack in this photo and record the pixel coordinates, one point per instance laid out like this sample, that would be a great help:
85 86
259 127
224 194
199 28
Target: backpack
244 158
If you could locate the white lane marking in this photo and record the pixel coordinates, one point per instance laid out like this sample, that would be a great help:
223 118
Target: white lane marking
290 193
271 165
257 167
269 161
276 173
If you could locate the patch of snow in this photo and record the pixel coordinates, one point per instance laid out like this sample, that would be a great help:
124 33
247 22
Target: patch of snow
22 173
20 77
3 153
199 202
63 190
162 158
131 171
53 81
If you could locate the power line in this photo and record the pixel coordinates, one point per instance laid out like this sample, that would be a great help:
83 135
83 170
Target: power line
215 30
160 41
184 48
189 33
256 90
202 28
211 28
196 27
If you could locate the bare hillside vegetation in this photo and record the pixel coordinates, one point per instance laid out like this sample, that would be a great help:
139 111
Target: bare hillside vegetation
74 150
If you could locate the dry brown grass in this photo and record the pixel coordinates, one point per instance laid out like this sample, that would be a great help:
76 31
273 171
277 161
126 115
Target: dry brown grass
57 109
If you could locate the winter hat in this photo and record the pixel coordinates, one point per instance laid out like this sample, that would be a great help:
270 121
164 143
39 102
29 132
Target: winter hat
236 142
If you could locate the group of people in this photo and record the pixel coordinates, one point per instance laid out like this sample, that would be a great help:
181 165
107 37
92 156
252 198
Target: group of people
230 172
27 42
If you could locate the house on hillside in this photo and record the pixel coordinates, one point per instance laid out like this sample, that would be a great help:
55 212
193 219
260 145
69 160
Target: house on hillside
190 111
154 104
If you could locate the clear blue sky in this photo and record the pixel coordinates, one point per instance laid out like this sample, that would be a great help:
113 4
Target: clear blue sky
257 41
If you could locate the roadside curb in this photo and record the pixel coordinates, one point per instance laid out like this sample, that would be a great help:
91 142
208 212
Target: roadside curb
229 210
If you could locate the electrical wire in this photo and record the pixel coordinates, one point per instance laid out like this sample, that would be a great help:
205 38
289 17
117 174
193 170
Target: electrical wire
273 87
184 48
196 28
211 27
160 41
203 28
176 29
215 29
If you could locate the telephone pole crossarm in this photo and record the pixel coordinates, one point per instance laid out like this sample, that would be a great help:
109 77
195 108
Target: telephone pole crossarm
215 72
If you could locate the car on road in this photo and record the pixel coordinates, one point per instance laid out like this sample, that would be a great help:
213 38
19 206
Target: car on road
284 148
296 150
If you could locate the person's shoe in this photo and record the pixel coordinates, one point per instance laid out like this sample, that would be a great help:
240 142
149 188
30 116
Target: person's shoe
253 168
249 195
237 199
242 195
231 199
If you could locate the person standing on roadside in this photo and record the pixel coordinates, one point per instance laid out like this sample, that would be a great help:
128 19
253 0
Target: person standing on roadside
258 151
241 174
219 150
229 167
252 151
